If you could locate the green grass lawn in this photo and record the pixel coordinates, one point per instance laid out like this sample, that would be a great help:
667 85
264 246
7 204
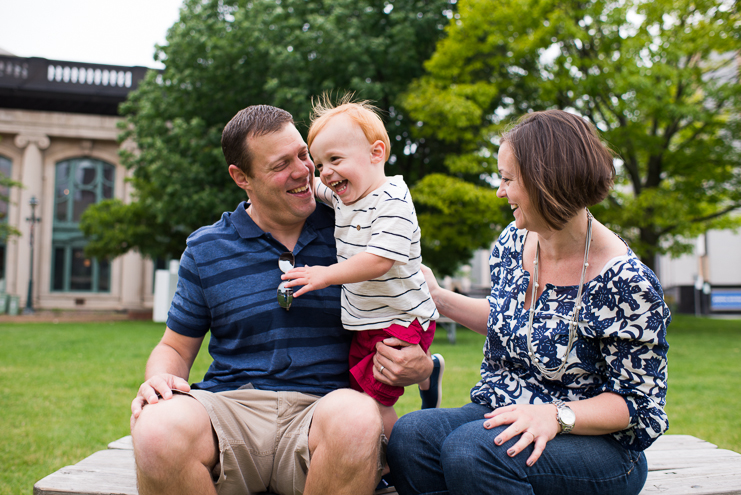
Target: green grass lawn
65 389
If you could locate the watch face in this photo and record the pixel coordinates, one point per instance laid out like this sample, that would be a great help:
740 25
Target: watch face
567 416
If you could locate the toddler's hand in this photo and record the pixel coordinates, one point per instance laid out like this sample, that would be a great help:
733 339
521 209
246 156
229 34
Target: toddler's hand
311 277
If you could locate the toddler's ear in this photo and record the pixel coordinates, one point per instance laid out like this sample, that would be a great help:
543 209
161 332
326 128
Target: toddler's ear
378 152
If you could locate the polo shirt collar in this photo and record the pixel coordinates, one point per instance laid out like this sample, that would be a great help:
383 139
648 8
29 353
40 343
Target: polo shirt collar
248 229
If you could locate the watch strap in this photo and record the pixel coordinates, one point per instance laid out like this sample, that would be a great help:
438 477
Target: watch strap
565 427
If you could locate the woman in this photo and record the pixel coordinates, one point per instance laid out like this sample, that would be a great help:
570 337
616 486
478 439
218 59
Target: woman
573 380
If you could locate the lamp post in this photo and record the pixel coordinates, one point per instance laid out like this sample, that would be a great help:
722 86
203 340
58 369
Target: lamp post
33 219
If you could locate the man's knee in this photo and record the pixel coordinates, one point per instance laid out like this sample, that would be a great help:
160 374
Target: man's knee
173 431
346 419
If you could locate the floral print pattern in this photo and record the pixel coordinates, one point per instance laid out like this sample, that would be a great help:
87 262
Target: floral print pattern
620 345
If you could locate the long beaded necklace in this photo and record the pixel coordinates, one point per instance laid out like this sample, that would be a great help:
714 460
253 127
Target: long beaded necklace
557 373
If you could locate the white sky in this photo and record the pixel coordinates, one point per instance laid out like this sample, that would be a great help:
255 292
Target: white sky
116 32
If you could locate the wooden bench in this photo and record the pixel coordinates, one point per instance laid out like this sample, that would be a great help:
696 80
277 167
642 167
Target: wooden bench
678 465
450 327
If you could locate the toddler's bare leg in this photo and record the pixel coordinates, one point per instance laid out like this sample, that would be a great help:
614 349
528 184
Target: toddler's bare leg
388 414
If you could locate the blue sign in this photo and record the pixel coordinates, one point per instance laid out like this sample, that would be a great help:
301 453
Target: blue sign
725 300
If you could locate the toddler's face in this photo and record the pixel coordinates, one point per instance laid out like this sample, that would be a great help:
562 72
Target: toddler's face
346 161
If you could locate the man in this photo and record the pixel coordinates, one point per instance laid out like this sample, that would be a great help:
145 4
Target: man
272 413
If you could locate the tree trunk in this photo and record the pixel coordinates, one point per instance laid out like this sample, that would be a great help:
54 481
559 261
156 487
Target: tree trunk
650 241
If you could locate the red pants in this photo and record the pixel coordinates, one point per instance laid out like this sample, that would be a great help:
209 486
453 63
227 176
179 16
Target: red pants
363 348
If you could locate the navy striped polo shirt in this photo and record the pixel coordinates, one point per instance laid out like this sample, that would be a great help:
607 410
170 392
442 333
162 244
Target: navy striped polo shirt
228 282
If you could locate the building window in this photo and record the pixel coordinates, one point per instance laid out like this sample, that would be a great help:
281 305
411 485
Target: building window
5 166
80 182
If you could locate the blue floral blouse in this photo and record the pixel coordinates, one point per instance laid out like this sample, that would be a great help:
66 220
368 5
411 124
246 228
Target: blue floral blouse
620 345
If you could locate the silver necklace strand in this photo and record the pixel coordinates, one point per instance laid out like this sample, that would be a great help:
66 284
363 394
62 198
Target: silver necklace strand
557 373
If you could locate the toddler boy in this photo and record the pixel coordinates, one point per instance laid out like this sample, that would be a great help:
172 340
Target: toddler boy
384 293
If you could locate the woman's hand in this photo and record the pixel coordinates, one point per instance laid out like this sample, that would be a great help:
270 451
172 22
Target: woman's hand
535 423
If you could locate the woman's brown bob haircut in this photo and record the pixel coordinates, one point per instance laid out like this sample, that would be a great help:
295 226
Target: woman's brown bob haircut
563 164
254 121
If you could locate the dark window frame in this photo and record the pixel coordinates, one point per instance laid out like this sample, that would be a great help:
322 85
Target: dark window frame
70 192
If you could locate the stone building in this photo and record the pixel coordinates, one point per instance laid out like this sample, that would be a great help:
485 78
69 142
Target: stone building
58 137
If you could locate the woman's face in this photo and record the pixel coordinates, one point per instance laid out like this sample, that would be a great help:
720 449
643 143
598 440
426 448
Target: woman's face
512 188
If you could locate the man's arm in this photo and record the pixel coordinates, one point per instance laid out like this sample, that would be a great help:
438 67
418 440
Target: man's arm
167 369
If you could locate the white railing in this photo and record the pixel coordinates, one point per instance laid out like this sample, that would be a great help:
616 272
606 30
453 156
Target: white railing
14 70
88 75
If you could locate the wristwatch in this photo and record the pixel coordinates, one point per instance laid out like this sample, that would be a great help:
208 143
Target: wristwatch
565 416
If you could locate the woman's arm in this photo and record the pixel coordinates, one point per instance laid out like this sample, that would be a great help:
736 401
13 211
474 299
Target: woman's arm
467 311
600 415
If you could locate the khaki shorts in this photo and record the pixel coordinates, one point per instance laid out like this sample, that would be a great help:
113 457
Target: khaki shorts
263 439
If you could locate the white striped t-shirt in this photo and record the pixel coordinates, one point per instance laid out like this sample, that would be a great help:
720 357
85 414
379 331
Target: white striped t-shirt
383 223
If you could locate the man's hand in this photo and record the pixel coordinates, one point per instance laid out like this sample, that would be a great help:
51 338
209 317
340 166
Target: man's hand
311 277
400 363
162 384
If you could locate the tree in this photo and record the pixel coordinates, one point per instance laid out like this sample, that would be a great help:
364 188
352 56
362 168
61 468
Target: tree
658 78
223 55
6 230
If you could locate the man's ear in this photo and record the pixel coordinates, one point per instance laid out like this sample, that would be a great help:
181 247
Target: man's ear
239 177
378 152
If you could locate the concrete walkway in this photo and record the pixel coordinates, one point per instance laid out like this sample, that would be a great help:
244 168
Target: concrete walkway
79 316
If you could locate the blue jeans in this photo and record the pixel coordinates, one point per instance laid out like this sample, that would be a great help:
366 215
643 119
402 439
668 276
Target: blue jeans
448 451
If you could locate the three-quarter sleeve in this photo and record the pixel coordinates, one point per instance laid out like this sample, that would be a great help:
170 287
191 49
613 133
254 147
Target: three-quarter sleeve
632 320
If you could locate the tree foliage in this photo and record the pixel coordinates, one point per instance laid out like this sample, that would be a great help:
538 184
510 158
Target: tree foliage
223 55
6 230
659 79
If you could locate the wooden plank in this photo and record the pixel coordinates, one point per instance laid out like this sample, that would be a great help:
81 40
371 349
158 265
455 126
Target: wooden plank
659 460
83 481
122 444
123 459
680 442
722 479
678 465
108 472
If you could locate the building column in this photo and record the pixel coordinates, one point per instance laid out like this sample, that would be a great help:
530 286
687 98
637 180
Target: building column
131 282
132 263
32 174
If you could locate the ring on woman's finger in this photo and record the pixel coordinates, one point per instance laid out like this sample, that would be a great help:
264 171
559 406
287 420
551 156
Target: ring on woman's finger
381 369
531 434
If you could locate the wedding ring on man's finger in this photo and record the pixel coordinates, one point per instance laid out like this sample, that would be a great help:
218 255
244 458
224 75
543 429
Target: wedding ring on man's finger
381 369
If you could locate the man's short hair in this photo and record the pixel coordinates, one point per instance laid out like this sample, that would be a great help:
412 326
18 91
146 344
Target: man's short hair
564 165
361 112
253 121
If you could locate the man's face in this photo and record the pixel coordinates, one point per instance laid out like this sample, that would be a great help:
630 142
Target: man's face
281 186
